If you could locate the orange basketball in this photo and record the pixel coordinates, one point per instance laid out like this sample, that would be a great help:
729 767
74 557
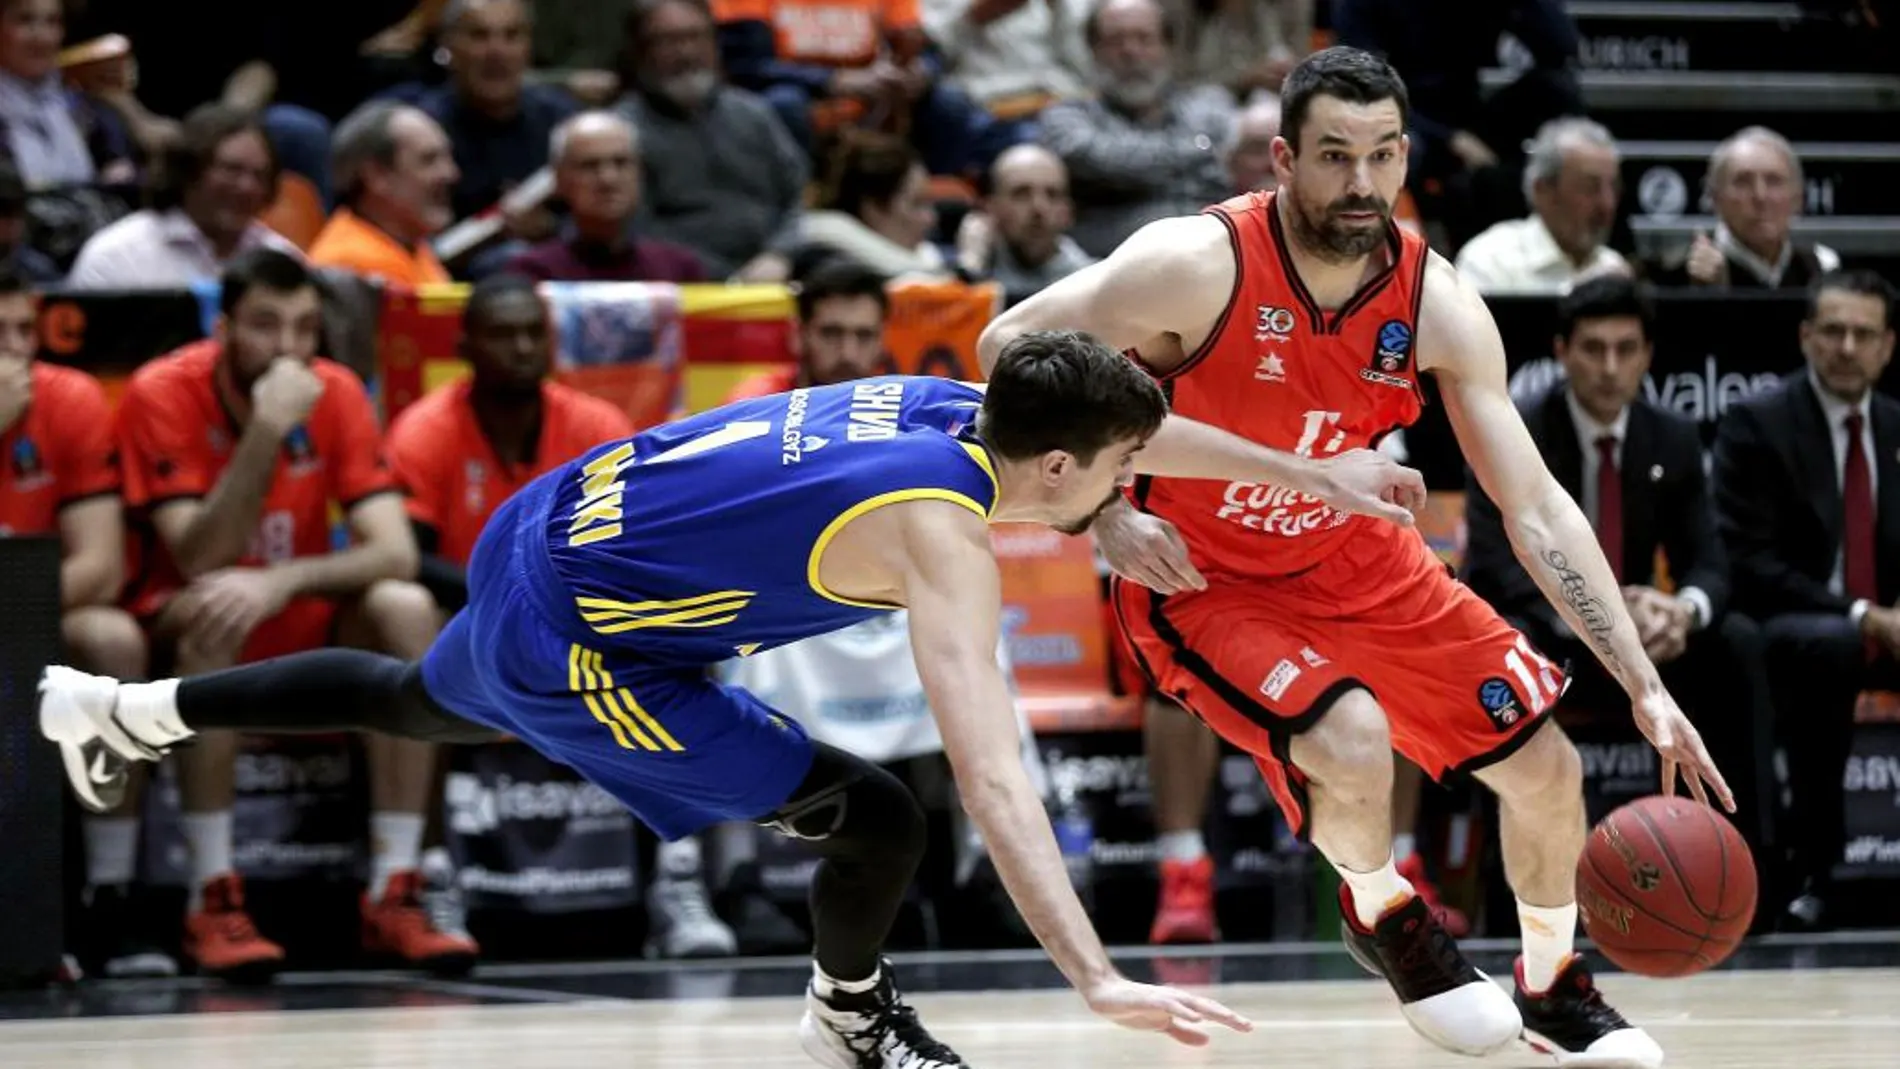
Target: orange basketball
1666 887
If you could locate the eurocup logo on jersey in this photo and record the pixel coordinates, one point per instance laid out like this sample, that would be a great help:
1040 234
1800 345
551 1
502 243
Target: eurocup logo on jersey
1391 354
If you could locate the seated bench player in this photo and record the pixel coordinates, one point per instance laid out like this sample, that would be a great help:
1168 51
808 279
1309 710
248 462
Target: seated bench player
59 476
236 449
601 593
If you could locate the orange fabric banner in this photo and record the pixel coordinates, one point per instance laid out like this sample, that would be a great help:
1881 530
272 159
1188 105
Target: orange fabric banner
1053 628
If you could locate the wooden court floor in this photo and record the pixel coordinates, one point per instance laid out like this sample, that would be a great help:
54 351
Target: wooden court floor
1798 1019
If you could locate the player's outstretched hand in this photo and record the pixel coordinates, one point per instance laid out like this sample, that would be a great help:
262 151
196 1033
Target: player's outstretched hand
1147 1008
1369 482
1680 744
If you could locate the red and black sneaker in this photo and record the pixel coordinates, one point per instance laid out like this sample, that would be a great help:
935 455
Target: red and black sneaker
1443 996
1572 1023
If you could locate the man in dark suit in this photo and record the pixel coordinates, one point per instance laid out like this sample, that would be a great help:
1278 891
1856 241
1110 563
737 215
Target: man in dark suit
1807 490
1637 471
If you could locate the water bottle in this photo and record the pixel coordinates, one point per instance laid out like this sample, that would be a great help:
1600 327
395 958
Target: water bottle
1075 837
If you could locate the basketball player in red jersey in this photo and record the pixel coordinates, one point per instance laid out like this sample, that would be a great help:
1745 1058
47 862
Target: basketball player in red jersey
1320 642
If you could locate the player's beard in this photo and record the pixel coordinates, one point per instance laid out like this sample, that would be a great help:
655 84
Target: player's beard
1330 238
1081 526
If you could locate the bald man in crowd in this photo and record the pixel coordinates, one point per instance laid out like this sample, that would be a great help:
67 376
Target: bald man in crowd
1019 236
596 160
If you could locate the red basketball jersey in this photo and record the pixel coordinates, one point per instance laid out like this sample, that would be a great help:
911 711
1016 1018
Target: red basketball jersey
1280 371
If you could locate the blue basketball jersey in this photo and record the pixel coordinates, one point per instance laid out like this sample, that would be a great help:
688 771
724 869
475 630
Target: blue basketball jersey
700 540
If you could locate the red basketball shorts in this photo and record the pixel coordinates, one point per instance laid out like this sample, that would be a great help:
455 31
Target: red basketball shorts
1260 660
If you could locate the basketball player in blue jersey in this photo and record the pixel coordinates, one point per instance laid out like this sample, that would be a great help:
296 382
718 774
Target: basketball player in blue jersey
600 594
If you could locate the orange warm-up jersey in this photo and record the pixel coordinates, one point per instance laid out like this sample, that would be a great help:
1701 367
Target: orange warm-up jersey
449 472
1282 372
177 436
58 453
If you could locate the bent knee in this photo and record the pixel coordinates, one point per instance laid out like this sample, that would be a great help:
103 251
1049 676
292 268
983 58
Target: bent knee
1546 771
1350 744
398 601
105 640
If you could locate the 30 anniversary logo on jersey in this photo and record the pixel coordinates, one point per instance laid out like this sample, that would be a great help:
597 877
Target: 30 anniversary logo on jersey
1273 323
1391 355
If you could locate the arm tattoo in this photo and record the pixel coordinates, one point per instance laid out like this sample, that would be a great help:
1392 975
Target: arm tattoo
1589 608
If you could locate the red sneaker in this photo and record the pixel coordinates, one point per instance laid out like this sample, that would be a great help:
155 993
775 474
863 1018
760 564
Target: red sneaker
222 941
1453 921
1185 912
399 926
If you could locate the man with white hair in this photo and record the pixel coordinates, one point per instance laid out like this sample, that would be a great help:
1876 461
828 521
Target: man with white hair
596 159
1149 146
1754 184
1571 180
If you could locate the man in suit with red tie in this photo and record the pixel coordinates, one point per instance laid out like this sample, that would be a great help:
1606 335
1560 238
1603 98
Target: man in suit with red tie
1637 470
1807 490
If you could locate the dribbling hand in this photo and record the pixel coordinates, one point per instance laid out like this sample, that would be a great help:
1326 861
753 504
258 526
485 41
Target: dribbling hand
1680 744
1148 1008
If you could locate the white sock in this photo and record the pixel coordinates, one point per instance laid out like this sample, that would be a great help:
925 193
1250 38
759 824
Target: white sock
1403 846
1186 846
1376 892
395 845
208 835
825 986
678 860
112 850
150 712
1550 933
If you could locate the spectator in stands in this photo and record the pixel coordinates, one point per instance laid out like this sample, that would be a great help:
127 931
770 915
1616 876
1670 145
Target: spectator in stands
54 139
215 179
498 124
1150 146
878 212
1754 182
1249 146
1013 57
1572 182
61 477
840 336
841 63
394 171
1246 46
1637 470
719 174
234 448
596 158
1817 553
1020 235
15 254
1465 154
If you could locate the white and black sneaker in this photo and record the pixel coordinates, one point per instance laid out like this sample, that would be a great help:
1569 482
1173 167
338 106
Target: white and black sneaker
1572 1023
680 918
874 1029
79 712
118 947
1443 996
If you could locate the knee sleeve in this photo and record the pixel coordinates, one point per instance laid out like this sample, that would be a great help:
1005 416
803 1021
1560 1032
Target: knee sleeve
848 805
